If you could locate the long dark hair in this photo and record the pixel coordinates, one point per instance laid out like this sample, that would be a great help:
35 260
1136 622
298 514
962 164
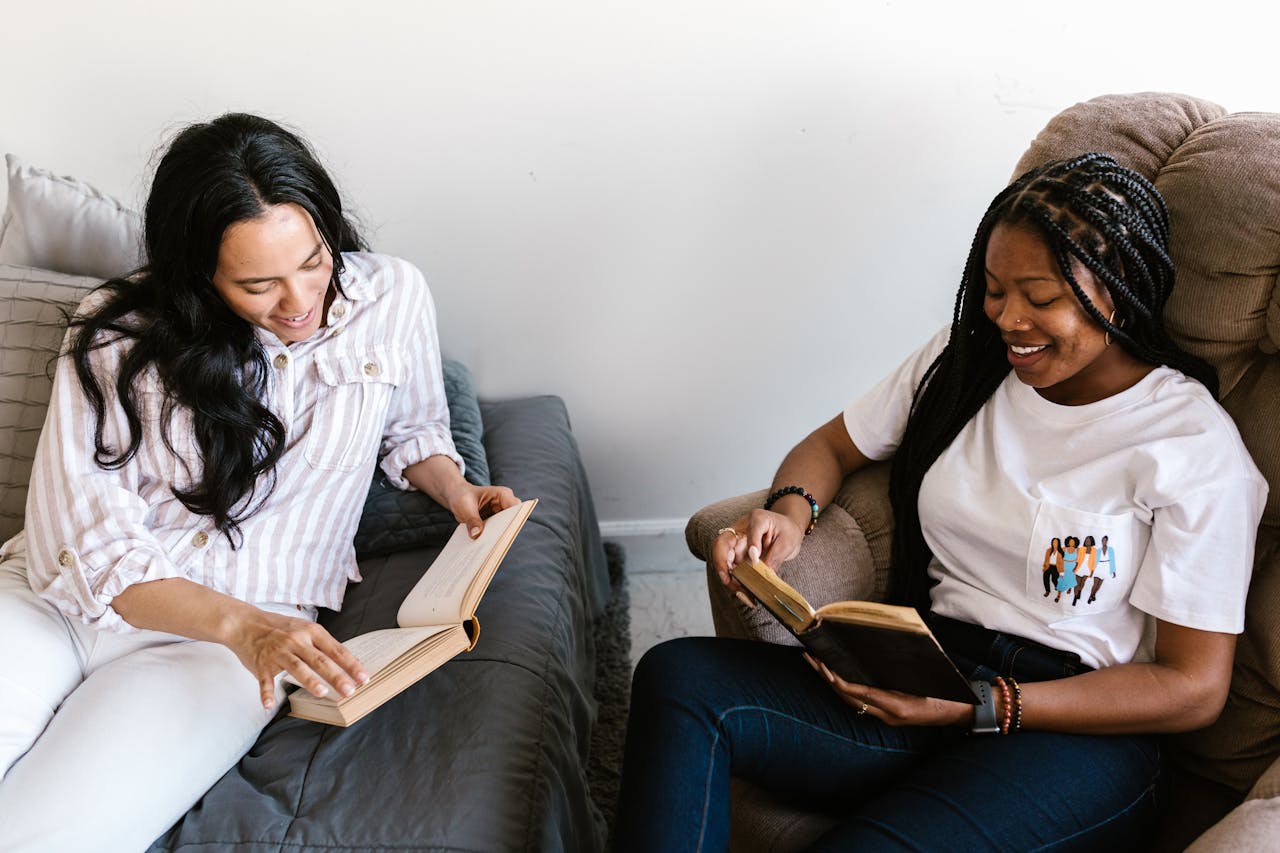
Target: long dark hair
1090 210
209 361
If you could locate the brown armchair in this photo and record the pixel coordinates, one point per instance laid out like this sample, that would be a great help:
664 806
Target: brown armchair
1220 174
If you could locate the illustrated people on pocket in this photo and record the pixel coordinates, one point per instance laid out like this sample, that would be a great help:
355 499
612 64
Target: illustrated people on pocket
1070 559
1052 565
1088 554
1106 568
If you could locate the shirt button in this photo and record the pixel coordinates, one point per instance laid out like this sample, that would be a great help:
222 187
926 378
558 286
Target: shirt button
282 361
65 558
371 368
337 330
200 539
339 310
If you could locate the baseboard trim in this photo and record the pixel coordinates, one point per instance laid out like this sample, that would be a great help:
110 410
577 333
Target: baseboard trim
644 527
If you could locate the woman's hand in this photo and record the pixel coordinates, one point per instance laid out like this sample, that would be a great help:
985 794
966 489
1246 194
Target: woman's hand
470 504
758 535
266 643
893 707
440 477
269 643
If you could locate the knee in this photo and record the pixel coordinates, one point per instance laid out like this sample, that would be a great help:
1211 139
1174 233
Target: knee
676 670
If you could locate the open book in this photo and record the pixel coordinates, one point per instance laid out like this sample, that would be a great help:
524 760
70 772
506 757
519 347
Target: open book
864 642
437 621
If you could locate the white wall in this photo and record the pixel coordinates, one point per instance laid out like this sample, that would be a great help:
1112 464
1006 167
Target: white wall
706 225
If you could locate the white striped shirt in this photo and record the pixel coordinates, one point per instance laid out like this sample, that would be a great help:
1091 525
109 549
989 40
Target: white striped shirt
366 385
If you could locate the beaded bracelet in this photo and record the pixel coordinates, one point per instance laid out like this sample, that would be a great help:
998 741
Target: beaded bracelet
796 490
1017 704
1007 709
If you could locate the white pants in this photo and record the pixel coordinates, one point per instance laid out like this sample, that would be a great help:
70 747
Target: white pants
107 739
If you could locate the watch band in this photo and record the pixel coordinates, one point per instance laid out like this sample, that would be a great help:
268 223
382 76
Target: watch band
984 713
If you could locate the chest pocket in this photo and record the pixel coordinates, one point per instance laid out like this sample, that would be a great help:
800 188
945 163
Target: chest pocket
355 392
1082 562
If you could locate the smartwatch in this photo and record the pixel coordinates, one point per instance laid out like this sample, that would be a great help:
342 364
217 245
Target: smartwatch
984 713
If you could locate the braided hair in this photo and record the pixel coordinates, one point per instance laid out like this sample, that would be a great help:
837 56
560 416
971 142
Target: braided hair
1090 211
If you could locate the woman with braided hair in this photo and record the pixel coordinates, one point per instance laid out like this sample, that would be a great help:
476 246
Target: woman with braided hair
1054 401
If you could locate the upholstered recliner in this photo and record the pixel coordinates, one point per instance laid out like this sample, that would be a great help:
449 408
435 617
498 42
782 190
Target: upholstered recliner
1220 174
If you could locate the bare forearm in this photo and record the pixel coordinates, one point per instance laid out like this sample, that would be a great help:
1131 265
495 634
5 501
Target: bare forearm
182 607
1125 699
818 464
438 476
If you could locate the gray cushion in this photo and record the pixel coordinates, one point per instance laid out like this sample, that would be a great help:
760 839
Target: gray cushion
33 306
394 520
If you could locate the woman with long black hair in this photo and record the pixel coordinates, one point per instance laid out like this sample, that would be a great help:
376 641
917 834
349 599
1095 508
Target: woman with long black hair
1054 401
214 425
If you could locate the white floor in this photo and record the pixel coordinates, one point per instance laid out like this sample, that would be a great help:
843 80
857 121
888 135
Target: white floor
668 590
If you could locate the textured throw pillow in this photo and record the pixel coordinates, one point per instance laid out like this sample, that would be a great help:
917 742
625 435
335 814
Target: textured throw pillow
62 224
398 521
32 322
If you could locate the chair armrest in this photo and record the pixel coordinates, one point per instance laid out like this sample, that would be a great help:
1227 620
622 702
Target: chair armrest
837 562
1252 825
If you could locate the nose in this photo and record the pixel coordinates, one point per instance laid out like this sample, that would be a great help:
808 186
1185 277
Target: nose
296 298
1011 315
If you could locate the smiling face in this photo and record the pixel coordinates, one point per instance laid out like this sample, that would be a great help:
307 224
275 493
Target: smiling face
274 272
1052 344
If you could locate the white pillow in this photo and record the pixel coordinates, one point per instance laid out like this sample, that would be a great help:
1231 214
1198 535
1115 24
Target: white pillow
66 225
31 331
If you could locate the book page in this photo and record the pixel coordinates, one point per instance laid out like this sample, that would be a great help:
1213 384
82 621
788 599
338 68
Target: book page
786 604
465 563
891 616
378 649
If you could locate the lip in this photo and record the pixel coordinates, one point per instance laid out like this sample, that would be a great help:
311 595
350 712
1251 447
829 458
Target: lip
300 323
1024 360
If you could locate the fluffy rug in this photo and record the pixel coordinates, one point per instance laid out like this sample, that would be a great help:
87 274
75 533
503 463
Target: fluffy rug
612 688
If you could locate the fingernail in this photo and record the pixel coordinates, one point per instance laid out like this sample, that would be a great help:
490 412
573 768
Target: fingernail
754 553
320 690
746 600
475 531
347 690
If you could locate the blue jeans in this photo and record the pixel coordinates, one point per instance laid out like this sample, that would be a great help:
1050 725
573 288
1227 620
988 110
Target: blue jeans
704 709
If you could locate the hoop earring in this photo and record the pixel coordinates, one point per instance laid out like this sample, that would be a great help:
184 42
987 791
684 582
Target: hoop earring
1110 321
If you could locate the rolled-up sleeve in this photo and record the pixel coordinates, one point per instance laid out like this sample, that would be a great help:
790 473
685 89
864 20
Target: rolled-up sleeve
86 529
417 425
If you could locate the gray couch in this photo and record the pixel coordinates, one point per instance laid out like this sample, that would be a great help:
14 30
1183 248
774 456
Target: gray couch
487 753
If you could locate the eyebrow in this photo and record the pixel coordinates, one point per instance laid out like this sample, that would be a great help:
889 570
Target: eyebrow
992 275
308 260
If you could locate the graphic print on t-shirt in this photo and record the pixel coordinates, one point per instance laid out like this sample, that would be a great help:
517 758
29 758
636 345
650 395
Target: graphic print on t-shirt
1075 565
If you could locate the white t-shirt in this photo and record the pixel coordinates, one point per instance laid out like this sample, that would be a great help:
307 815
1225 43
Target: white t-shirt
1158 469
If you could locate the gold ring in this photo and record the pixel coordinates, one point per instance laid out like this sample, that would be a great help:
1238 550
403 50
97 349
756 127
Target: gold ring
863 709
723 530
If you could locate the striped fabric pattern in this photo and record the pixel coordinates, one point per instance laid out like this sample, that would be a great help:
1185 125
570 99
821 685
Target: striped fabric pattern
367 385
